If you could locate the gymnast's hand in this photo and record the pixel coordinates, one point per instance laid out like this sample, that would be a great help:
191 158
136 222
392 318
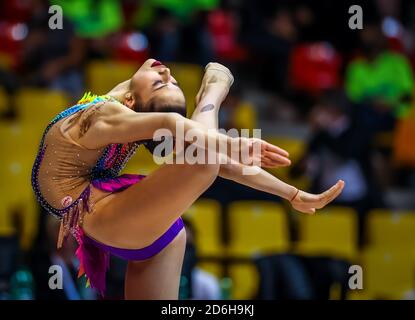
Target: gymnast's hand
308 203
218 76
261 152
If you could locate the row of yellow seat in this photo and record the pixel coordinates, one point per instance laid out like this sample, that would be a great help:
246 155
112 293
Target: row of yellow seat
257 227
261 227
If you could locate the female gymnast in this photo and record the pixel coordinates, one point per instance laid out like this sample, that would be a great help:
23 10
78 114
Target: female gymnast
76 176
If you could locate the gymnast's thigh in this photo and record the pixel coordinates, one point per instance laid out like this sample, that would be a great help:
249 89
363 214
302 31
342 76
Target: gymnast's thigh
157 278
137 216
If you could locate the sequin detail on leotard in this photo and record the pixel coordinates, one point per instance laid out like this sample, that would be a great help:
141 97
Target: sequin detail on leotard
109 164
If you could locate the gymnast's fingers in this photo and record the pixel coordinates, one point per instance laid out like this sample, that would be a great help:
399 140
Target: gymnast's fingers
337 189
310 211
277 159
271 148
267 163
331 194
307 210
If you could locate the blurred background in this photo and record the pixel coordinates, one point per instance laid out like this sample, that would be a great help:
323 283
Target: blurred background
339 100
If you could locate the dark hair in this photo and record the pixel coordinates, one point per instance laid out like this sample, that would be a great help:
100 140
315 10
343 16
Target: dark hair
155 106
158 105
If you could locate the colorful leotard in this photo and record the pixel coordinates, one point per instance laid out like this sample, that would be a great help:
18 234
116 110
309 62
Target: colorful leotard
62 176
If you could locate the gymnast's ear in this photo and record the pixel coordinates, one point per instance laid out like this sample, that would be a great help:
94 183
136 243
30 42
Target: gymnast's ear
129 100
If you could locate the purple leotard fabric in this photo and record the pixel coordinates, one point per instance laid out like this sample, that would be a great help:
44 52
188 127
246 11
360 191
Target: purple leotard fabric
143 253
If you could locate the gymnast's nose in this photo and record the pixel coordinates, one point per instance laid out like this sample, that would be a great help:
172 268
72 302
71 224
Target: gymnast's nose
165 73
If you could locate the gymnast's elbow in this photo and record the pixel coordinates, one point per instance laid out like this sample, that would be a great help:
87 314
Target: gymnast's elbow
228 170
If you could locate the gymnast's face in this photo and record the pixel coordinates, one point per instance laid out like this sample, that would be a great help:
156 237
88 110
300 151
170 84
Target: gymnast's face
154 89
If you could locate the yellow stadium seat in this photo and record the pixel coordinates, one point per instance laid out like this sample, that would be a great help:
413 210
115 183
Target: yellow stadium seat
387 228
37 107
257 227
19 148
215 268
388 273
141 163
16 196
245 281
103 75
18 140
245 116
4 101
205 217
332 232
7 226
357 295
189 77
20 208
295 147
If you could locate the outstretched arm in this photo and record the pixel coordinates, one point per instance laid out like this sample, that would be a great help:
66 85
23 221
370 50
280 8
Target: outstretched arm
215 86
115 123
264 181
